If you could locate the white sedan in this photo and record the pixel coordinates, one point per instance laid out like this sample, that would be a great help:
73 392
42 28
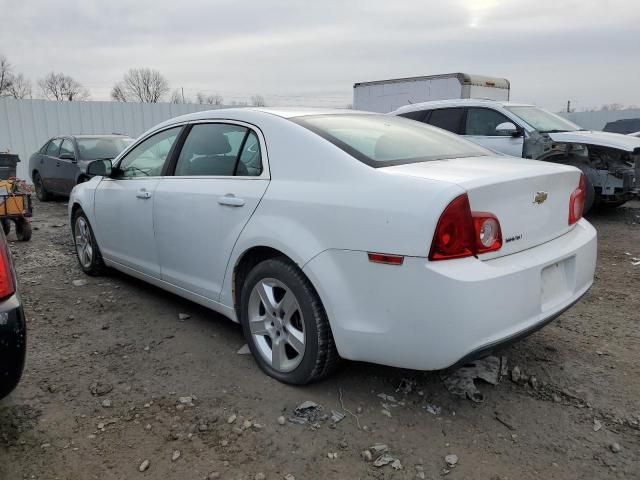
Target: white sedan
332 234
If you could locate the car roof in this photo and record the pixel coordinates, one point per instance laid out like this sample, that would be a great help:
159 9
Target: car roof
284 112
88 135
464 102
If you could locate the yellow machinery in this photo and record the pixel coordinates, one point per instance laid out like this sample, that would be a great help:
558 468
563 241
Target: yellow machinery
15 206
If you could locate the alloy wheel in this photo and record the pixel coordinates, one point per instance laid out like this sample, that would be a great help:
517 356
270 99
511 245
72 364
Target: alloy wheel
84 244
276 324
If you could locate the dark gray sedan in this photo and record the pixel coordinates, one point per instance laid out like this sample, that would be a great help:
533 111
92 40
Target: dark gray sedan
62 161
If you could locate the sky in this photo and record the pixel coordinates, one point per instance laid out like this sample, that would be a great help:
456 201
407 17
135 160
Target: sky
310 53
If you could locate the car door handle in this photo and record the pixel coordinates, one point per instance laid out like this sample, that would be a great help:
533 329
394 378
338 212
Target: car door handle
143 194
231 200
57 164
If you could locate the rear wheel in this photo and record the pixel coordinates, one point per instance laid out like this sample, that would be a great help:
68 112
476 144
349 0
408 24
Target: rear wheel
6 225
12 353
23 230
87 250
589 194
285 324
41 192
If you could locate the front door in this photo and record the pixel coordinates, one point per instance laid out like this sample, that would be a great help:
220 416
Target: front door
200 211
481 126
124 205
67 167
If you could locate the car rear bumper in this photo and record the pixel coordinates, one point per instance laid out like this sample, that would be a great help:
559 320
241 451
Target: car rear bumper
431 315
13 343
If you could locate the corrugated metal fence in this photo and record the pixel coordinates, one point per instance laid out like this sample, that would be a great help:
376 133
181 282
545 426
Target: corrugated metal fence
26 124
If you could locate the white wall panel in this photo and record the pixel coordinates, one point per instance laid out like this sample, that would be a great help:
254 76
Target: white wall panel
26 124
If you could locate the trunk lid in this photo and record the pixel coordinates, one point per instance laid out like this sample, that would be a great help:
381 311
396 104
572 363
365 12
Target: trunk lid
530 198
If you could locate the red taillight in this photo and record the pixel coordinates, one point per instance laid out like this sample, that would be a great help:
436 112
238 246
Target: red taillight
487 230
576 202
460 233
7 288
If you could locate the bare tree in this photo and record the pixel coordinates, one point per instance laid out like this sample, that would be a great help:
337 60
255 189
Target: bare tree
143 85
214 99
258 101
58 86
20 87
117 93
612 107
177 96
6 75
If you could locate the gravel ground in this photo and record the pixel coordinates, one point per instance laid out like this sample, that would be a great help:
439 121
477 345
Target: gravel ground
111 367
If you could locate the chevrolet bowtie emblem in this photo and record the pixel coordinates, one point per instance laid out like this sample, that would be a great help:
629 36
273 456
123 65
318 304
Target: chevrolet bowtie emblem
540 197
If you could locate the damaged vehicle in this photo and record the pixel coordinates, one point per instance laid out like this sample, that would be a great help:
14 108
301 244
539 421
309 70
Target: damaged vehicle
341 234
610 161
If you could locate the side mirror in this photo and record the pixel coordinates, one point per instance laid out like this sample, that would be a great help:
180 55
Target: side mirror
102 168
68 156
508 128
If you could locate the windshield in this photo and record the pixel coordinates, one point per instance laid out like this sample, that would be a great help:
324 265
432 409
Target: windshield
543 121
101 147
382 141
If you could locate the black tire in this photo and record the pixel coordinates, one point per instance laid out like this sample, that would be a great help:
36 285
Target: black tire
6 226
13 350
320 356
23 230
612 205
41 191
94 265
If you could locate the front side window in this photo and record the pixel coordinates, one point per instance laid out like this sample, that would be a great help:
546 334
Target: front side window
53 149
67 147
102 148
382 141
217 149
148 158
483 122
449 119
543 121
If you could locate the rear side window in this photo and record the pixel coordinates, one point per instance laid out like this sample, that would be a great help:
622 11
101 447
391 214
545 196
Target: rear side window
217 149
449 119
53 149
417 115
382 140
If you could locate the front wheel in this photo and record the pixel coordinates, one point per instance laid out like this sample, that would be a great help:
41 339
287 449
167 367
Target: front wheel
87 250
285 324
41 192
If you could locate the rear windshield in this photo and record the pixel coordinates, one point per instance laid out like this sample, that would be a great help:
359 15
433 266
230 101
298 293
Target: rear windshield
102 148
383 141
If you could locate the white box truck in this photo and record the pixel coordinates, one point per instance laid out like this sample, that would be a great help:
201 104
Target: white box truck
385 96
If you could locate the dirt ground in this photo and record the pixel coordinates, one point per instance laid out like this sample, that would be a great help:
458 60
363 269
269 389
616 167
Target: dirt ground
109 360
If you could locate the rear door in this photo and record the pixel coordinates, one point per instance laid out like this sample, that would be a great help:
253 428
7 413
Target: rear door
48 165
220 177
480 127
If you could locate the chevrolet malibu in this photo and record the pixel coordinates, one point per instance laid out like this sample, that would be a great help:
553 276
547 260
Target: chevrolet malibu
339 234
